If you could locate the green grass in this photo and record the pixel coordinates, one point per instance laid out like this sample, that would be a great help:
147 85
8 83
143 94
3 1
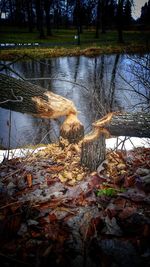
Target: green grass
61 43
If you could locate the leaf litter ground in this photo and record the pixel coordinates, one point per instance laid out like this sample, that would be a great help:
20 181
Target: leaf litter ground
54 212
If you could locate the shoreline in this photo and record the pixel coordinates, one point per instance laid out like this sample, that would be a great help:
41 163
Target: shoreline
90 51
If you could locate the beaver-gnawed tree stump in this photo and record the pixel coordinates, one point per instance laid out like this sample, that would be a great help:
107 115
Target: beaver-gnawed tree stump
113 124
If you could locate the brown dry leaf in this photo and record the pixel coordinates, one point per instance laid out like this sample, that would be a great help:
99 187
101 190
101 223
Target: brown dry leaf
68 154
35 234
72 182
127 212
76 148
121 166
130 181
29 180
52 217
55 168
62 178
47 251
75 163
80 176
123 172
68 175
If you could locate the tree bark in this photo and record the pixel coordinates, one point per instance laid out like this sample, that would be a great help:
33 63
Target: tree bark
129 124
93 153
115 124
28 98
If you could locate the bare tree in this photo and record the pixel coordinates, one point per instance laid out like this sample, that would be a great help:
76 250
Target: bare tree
139 81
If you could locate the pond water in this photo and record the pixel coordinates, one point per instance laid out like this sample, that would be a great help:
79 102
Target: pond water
96 86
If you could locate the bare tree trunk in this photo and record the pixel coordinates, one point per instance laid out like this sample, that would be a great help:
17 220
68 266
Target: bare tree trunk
120 21
93 153
30 15
47 6
97 20
28 98
39 14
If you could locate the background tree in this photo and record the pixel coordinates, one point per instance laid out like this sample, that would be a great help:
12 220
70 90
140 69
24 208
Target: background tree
119 20
128 13
47 7
39 17
145 14
123 6
97 18
30 14
139 68
11 15
105 15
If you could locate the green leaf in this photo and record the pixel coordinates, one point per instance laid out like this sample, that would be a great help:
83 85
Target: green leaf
109 191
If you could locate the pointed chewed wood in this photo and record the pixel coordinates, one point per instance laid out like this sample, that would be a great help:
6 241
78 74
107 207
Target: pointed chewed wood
26 97
113 124
72 129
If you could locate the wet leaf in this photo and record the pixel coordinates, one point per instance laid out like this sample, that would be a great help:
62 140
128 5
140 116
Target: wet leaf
127 212
112 228
52 217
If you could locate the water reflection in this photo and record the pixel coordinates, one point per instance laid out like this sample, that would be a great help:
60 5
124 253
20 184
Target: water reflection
106 91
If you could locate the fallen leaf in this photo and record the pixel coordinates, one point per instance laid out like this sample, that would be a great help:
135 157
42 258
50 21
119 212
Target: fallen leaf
29 180
80 176
127 212
62 178
111 227
52 217
121 166
55 168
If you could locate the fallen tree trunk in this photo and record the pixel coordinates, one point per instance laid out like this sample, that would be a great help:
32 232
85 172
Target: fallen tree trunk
25 97
113 124
28 98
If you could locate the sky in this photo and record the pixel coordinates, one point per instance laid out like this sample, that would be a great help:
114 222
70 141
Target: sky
136 12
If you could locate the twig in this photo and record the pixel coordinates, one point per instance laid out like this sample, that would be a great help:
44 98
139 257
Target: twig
15 260
10 174
57 79
10 204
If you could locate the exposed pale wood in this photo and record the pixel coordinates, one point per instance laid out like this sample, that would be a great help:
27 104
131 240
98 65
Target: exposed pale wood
28 98
125 124
36 100
113 124
72 129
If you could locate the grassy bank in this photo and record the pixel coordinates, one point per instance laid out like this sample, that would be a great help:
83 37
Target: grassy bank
61 43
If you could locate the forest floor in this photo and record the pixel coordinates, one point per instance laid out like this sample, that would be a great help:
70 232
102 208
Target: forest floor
54 212
64 43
